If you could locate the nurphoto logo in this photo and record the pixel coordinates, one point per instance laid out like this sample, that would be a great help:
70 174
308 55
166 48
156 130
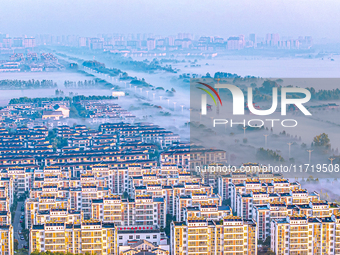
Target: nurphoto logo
238 99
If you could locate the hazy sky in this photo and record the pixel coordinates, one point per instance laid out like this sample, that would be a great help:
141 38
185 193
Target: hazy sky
319 18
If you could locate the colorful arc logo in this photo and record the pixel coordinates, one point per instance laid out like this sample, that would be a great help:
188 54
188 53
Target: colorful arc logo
209 93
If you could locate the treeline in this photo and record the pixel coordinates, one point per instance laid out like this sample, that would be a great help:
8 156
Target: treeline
87 83
263 154
82 97
140 82
175 61
100 67
147 66
30 84
323 94
220 75
264 92
39 100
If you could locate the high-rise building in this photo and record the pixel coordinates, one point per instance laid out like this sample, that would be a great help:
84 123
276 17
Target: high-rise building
18 42
90 236
252 38
299 234
82 42
29 42
235 43
151 44
6 240
7 42
232 235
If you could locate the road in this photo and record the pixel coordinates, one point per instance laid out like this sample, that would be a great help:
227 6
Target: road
17 225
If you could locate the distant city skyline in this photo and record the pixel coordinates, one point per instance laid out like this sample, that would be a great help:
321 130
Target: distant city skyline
150 42
216 18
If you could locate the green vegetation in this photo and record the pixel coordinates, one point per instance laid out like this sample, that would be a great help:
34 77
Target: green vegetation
80 98
16 244
13 208
263 154
30 84
140 83
100 67
85 73
58 142
165 113
21 252
226 202
37 100
77 110
321 140
34 115
73 66
322 94
169 219
154 155
220 75
145 66
84 84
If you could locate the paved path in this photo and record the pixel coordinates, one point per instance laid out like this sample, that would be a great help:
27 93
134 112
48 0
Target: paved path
17 225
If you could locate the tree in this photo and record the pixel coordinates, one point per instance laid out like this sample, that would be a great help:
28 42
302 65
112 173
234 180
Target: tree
268 154
73 66
169 219
207 76
16 244
321 140
268 85
125 195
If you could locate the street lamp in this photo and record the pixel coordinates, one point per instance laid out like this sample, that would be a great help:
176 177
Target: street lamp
289 144
244 131
310 155
265 140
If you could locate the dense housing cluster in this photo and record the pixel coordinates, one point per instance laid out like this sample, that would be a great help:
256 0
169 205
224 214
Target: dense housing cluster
126 188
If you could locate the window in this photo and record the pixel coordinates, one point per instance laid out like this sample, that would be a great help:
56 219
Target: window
154 236
147 237
130 237
120 238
